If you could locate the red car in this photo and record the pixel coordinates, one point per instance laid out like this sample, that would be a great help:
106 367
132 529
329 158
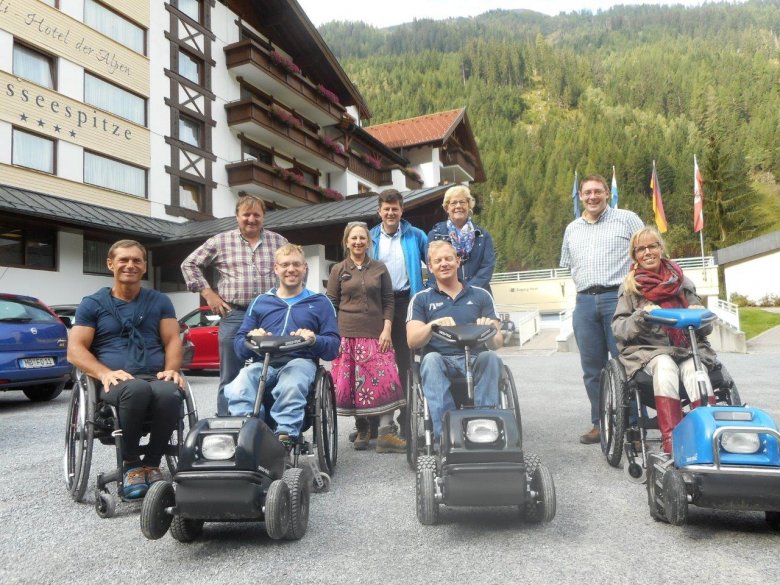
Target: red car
201 328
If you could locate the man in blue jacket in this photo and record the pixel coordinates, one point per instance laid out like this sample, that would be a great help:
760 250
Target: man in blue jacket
289 309
401 246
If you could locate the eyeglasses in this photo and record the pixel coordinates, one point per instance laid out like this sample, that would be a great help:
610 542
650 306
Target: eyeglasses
286 265
593 192
461 202
642 249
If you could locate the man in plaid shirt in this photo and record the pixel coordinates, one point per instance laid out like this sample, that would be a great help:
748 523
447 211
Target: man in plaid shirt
244 259
595 247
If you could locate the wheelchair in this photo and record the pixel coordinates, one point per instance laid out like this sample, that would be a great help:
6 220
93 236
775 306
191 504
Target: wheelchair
234 469
620 396
91 420
480 460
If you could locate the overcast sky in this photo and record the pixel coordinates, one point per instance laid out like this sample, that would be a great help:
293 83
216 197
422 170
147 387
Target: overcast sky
391 12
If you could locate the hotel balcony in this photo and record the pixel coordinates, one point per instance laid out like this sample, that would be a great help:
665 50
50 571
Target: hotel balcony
249 60
257 121
258 178
456 167
362 169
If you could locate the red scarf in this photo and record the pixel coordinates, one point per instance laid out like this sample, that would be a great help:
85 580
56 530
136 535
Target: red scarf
664 288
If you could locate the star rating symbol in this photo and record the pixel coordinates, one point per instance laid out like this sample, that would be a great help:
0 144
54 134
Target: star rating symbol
56 128
72 134
41 123
23 117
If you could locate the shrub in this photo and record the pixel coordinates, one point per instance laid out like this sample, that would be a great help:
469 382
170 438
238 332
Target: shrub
739 300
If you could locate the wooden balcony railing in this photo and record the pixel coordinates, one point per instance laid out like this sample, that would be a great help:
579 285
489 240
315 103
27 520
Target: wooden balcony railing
258 177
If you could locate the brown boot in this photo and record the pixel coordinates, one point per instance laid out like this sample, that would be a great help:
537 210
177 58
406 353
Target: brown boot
388 441
591 437
669 415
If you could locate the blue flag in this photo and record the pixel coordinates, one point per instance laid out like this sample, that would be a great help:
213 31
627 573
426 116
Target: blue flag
614 201
575 197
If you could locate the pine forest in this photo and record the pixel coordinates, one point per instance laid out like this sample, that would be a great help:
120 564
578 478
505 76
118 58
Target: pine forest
548 96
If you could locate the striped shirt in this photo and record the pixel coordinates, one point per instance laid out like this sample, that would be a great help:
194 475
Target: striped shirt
244 272
597 253
392 254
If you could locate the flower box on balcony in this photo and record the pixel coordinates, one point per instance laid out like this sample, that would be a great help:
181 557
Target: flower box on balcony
284 116
333 145
328 95
331 194
285 63
371 161
291 175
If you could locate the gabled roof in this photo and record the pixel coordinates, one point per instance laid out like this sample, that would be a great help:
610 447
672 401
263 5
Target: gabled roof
428 129
150 229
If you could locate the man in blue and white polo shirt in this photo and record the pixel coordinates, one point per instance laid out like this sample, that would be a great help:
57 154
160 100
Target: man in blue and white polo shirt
450 302
595 247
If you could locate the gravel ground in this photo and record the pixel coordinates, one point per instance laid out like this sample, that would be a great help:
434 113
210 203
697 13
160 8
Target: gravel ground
366 527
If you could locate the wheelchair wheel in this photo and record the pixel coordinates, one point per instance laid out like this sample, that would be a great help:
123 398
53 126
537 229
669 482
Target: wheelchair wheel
187 421
613 411
105 504
675 497
540 505
186 529
509 397
425 492
326 425
155 520
79 436
415 414
299 482
773 519
277 509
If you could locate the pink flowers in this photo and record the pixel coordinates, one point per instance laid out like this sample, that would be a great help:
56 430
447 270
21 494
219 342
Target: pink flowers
332 194
371 161
291 175
328 95
285 63
284 116
333 145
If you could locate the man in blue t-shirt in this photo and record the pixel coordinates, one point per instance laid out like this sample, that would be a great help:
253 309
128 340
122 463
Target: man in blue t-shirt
450 302
127 337
289 309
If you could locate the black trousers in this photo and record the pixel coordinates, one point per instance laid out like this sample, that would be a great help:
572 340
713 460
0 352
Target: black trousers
140 399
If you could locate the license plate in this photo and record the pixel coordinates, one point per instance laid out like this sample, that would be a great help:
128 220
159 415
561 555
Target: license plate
39 362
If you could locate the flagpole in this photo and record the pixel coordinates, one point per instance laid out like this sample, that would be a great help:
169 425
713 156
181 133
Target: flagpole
701 231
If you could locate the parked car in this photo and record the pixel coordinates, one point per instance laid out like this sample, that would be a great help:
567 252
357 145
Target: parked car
33 347
67 314
201 328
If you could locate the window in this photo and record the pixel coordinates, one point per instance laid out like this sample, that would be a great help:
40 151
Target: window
112 174
95 254
191 196
115 26
190 131
191 8
114 99
32 248
362 188
190 67
34 66
252 152
33 151
52 3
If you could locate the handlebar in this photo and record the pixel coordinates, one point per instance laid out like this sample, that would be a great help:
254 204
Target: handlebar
681 318
276 344
470 335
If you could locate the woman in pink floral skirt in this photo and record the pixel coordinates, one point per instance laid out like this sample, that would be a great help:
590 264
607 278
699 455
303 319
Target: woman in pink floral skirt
365 373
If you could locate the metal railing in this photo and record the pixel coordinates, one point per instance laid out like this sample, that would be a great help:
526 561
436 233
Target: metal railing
726 312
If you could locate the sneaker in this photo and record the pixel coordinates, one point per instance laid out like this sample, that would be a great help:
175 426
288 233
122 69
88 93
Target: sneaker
389 441
361 440
153 474
134 483
591 437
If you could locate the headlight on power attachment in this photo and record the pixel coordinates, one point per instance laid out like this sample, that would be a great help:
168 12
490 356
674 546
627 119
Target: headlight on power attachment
736 442
218 447
482 430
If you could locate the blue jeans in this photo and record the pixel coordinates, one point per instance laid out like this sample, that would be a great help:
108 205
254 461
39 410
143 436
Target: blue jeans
593 331
436 370
229 363
289 385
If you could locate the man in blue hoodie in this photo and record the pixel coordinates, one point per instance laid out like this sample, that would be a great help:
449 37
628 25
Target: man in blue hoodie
289 309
